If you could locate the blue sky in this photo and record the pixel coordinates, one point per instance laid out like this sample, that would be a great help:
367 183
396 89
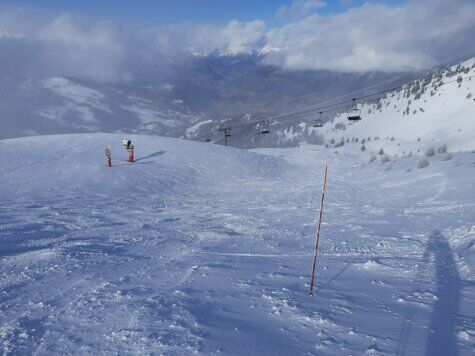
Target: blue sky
164 12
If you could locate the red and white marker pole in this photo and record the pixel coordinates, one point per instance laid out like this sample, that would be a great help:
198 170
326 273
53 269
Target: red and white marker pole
310 292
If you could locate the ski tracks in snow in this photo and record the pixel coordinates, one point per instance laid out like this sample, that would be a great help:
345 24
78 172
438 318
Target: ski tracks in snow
183 263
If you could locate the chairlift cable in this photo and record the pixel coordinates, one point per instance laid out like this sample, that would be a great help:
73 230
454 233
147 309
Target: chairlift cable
284 117
434 66
337 106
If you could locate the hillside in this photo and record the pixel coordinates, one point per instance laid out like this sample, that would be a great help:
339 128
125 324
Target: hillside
30 107
196 97
424 108
424 114
198 248
191 91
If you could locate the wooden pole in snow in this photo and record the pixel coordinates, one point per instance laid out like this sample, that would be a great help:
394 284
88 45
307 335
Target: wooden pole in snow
310 292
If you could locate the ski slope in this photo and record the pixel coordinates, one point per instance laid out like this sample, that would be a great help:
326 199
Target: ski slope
199 248
427 113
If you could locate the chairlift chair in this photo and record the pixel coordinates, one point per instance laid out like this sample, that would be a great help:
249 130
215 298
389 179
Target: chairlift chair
318 122
263 128
354 114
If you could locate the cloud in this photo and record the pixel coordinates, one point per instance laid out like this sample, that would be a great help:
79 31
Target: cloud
368 37
243 37
61 46
93 50
235 38
375 37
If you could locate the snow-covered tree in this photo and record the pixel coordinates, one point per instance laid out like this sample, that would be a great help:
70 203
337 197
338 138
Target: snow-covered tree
442 149
430 152
447 157
424 162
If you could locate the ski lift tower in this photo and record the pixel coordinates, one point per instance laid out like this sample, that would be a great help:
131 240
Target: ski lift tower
227 133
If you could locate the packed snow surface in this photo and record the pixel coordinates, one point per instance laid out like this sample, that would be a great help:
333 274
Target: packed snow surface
199 248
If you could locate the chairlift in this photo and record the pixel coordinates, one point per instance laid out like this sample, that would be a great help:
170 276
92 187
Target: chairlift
318 122
354 114
263 128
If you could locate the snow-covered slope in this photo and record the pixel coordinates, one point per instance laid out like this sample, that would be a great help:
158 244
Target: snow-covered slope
199 248
428 113
60 105
436 107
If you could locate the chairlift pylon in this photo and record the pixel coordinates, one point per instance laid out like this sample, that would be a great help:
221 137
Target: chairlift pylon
354 114
226 130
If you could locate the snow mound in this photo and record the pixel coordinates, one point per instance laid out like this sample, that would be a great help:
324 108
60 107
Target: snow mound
76 164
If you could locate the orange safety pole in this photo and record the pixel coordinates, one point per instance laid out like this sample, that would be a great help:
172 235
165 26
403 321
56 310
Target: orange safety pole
310 292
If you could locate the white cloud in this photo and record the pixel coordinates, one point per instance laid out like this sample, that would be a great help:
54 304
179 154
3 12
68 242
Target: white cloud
241 37
235 38
90 50
62 45
369 37
375 37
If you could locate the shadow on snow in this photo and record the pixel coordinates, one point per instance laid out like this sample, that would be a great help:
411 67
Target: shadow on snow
155 154
442 339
